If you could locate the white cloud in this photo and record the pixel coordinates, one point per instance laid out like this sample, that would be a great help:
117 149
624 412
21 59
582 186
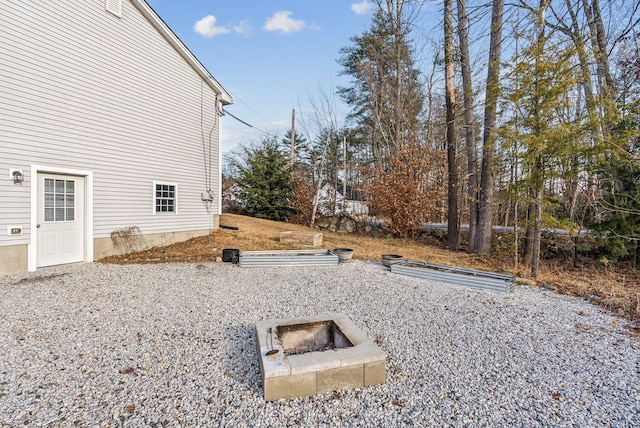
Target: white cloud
362 8
243 27
282 21
207 27
278 124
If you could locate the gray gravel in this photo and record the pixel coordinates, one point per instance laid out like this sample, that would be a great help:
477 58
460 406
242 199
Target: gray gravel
173 345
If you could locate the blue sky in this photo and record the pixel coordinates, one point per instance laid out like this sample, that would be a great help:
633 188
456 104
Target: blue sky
270 55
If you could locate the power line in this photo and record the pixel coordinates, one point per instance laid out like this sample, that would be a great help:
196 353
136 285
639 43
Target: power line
236 97
243 122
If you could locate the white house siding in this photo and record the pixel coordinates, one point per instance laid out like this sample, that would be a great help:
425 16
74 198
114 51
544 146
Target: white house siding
85 90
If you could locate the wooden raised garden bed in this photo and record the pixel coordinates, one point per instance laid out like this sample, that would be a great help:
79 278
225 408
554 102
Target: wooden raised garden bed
311 239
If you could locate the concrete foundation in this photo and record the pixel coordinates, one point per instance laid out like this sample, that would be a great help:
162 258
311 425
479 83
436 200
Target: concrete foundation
14 259
124 244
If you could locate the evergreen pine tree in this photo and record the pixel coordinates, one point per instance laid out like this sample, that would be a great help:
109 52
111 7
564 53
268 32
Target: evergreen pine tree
542 78
619 173
385 94
264 182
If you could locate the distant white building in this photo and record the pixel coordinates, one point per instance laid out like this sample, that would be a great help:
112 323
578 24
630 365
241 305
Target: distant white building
353 204
104 111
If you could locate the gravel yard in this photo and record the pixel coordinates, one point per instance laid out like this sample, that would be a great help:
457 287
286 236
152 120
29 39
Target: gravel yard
173 345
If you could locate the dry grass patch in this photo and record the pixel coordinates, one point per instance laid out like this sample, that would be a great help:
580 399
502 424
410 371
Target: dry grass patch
617 288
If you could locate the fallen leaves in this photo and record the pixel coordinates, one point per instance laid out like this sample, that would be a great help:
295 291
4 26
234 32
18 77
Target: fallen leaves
633 331
396 402
396 370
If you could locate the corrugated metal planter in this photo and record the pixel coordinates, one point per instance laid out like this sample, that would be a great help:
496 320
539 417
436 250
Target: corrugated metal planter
455 275
287 258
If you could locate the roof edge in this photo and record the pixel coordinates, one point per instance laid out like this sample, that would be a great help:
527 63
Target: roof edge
155 20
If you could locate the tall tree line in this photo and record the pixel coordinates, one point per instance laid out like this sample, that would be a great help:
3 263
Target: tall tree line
527 114
547 117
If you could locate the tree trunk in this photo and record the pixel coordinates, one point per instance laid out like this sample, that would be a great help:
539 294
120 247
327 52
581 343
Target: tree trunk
528 239
598 43
537 234
470 138
335 180
485 212
538 172
398 108
452 213
316 200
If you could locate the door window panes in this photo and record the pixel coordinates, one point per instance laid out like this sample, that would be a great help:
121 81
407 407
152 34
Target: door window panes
59 200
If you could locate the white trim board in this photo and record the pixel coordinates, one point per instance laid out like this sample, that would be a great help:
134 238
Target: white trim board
153 200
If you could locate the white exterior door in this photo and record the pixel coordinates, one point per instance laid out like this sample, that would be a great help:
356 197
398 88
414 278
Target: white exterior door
60 219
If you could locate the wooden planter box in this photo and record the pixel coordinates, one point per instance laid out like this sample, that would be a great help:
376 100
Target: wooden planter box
311 239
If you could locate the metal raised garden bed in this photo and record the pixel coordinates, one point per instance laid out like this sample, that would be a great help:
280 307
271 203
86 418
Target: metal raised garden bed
287 258
455 275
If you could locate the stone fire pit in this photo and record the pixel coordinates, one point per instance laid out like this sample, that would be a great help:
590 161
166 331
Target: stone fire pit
315 355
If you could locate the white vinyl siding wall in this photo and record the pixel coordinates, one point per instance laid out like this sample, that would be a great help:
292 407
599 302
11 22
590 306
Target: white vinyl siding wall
83 89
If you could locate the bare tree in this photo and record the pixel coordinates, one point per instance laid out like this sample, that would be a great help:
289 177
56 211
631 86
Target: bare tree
316 198
320 118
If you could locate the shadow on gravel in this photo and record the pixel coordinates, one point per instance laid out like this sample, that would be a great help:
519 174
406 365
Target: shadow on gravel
39 278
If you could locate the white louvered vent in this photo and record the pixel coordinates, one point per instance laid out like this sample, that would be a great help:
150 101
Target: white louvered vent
114 6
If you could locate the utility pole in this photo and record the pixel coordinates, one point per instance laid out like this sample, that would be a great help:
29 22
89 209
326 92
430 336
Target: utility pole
293 136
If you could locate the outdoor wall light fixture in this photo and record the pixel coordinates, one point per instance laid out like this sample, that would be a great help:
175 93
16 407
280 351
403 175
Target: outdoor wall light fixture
17 176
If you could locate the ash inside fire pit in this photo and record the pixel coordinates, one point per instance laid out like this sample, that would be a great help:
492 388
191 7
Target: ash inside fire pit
311 337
